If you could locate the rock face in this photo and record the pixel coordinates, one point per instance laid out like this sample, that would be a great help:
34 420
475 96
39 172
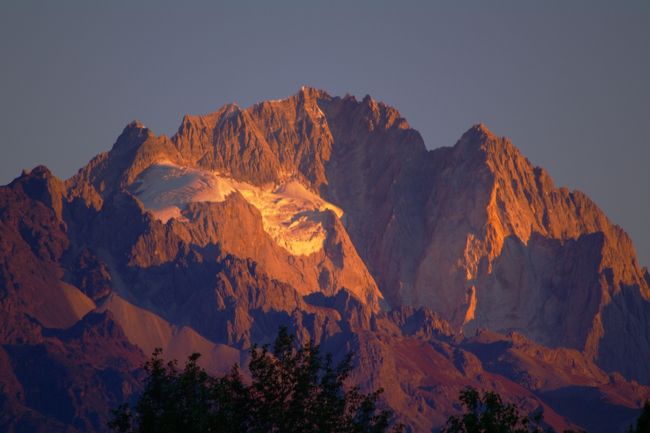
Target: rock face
327 215
480 235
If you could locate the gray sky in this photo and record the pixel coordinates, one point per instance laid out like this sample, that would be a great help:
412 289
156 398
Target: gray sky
567 81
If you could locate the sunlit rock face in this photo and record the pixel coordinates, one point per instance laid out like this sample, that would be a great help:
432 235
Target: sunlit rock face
291 214
220 179
463 265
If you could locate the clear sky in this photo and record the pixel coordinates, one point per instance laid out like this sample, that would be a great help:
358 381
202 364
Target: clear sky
567 81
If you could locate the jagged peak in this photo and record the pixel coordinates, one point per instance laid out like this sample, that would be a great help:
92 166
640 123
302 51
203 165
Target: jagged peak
40 171
133 135
40 177
135 124
378 113
479 138
478 133
209 118
374 106
41 184
306 97
305 93
311 92
135 128
482 127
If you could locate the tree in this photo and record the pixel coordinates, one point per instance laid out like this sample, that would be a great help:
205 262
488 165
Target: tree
292 389
643 422
487 413
172 400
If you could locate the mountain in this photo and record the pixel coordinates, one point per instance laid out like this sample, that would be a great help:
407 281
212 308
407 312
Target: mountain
441 268
480 235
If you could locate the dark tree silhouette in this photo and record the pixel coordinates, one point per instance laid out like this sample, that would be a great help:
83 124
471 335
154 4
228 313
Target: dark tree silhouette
488 413
643 422
292 389
172 400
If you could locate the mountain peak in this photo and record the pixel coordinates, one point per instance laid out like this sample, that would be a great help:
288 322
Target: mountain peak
482 129
311 92
132 136
135 124
135 128
478 133
209 119
40 172
42 185
480 141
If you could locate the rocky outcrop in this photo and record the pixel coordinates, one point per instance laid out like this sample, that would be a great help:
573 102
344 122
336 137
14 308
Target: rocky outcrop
264 143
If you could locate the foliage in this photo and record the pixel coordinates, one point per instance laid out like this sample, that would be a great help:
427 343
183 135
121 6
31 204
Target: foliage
291 390
487 413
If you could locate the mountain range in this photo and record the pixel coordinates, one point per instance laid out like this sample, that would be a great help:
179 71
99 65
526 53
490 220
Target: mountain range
439 269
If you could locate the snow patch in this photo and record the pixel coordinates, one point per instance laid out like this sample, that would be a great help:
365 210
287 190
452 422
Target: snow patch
291 214
164 189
